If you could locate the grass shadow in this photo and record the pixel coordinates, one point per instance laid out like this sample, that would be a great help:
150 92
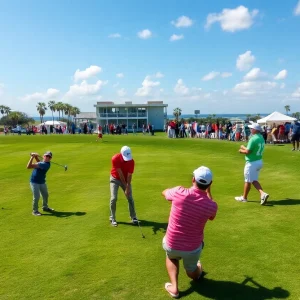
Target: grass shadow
229 290
156 226
286 201
64 214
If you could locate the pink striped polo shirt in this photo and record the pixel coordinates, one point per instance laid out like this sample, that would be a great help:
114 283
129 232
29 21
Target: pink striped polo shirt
191 208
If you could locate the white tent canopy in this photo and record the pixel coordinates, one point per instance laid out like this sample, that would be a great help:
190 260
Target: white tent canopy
275 117
55 123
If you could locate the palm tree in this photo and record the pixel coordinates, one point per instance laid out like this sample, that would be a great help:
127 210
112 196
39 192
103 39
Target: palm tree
41 108
177 113
75 111
296 115
2 109
67 110
5 109
287 109
15 116
51 105
59 106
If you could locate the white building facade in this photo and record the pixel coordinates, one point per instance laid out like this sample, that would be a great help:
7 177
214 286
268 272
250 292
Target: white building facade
153 112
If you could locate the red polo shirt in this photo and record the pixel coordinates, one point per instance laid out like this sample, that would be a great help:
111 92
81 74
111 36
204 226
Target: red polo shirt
119 163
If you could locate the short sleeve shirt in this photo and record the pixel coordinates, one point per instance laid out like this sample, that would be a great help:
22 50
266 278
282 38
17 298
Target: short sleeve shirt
256 146
38 175
191 209
119 163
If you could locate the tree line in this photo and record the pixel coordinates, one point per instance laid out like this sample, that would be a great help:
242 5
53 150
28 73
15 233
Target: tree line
12 118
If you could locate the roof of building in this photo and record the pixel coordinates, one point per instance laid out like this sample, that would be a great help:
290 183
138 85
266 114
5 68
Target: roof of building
86 115
129 103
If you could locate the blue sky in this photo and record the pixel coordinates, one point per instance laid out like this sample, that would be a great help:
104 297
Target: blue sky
217 56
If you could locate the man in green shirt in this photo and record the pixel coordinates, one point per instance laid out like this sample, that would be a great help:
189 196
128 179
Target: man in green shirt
253 154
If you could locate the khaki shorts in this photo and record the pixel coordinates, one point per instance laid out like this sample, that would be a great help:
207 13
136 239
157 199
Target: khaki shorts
190 258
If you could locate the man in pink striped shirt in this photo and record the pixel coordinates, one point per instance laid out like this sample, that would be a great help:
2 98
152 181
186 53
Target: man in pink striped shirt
191 209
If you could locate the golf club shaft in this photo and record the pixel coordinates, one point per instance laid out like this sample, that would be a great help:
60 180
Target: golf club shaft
52 162
141 230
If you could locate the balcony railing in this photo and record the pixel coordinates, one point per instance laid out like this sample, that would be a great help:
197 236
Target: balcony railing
121 115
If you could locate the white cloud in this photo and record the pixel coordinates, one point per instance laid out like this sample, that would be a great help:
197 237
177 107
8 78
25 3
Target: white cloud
180 88
254 74
254 87
85 89
281 75
183 21
114 35
87 73
245 61
176 37
159 75
50 94
210 76
225 92
282 86
296 94
144 34
297 9
226 74
208 95
120 75
232 20
121 92
147 86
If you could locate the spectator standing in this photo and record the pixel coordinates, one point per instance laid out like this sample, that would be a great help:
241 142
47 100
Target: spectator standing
253 155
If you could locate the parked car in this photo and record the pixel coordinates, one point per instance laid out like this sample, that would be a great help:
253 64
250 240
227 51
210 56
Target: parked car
15 130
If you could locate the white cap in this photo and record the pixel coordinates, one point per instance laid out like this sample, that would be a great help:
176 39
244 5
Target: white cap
203 175
255 126
126 153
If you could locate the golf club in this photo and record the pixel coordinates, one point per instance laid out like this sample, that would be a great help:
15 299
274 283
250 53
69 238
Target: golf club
64 166
141 230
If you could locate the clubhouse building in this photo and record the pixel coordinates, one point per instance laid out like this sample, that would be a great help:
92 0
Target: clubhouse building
153 112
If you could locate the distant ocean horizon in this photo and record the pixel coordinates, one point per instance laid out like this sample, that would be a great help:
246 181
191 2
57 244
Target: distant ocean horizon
185 116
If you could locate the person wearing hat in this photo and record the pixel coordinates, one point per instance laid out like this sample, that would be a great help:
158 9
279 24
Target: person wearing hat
121 176
253 155
38 181
191 209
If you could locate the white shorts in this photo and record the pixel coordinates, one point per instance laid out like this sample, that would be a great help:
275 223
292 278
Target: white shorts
251 170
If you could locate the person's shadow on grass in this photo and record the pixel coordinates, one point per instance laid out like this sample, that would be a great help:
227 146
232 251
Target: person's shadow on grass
156 226
229 290
64 214
286 201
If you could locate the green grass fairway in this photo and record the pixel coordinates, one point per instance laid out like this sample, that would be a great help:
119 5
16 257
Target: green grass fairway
251 251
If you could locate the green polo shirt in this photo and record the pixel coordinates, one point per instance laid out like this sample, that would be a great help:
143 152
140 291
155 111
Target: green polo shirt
256 146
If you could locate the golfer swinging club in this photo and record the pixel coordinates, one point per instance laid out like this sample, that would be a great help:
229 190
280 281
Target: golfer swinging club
38 181
120 176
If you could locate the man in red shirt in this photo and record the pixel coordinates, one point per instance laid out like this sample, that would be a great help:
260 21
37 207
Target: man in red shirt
120 176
